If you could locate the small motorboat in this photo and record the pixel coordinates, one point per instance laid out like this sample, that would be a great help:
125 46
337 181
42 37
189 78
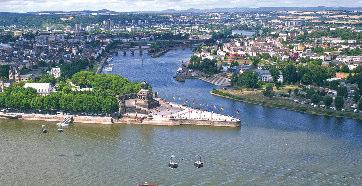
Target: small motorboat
109 68
63 124
172 164
60 129
146 184
44 129
67 121
150 116
199 163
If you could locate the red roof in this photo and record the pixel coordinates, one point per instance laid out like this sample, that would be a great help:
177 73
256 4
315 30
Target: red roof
341 75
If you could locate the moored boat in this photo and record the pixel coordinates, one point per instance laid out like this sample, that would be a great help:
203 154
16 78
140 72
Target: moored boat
108 68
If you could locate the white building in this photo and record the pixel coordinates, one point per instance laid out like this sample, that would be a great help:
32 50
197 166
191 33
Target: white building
41 88
55 72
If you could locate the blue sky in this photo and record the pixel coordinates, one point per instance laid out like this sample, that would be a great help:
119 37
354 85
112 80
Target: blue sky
147 5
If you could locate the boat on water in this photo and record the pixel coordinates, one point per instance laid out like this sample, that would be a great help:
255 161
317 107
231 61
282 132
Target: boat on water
172 164
146 184
199 163
60 130
44 129
109 59
108 68
66 122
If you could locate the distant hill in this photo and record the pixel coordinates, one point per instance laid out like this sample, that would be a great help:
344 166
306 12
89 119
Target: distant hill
193 10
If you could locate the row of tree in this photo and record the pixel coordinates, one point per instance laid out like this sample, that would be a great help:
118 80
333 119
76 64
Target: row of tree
105 84
310 74
317 97
26 99
69 69
101 100
247 79
306 74
206 65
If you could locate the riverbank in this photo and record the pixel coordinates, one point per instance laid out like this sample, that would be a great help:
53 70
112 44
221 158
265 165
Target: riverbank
172 114
59 118
167 114
259 99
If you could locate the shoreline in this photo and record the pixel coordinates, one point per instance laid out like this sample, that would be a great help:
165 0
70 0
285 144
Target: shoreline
161 116
291 107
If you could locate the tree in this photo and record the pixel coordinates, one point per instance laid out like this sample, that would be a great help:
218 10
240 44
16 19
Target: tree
234 64
339 102
46 79
356 96
255 61
290 74
345 69
101 100
318 50
316 99
268 92
359 104
4 71
333 84
342 91
328 100
315 74
275 73
247 80
206 65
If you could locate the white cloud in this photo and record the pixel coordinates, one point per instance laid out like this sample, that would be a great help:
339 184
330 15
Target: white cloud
134 5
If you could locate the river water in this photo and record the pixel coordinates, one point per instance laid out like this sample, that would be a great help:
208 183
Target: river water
272 146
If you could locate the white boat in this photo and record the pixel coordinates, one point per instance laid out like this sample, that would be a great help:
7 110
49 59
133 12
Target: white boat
109 59
67 121
63 124
108 68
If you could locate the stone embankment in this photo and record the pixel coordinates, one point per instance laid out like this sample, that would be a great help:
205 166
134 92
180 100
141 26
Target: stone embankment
169 114
218 80
60 118
172 114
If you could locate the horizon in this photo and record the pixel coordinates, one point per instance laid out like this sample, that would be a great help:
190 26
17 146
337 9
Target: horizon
20 6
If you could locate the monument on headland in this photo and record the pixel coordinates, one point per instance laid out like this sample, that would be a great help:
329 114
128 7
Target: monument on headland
141 102
144 108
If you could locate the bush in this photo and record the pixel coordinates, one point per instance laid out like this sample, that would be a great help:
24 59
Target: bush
268 92
360 104
339 102
328 101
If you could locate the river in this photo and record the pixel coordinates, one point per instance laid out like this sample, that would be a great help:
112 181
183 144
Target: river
272 146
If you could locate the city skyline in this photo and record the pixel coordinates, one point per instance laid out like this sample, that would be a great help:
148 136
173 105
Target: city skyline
149 5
